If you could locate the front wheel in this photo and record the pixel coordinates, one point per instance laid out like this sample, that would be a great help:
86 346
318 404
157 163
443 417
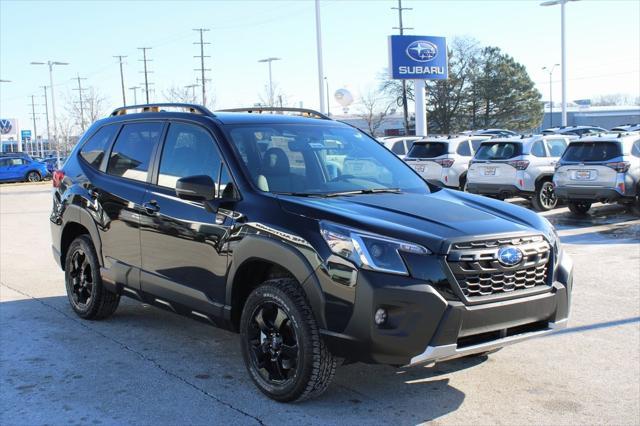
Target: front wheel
545 198
33 177
579 208
281 345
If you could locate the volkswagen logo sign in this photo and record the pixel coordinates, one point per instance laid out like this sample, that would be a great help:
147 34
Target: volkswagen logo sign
422 51
509 256
5 127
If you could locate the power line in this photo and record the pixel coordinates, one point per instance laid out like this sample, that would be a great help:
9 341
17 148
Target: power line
146 72
135 94
401 27
80 89
202 69
124 96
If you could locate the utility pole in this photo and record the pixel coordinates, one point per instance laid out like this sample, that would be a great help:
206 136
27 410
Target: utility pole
124 97
80 89
146 72
135 94
46 113
405 108
33 115
319 52
202 69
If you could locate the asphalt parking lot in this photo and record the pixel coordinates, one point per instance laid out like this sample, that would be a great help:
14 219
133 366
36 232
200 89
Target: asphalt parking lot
148 366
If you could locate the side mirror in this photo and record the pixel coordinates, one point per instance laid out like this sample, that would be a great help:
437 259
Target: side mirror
196 188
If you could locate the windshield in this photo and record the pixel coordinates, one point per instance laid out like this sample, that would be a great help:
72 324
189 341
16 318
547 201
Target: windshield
592 151
310 159
427 150
498 150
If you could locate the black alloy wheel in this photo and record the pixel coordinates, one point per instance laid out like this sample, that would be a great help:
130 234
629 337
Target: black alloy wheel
545 198
81 279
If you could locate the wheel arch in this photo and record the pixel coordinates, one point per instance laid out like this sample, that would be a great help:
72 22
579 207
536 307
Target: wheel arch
79 223
543 178
257 259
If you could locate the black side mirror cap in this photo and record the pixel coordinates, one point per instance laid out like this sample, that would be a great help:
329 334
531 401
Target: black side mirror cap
196 188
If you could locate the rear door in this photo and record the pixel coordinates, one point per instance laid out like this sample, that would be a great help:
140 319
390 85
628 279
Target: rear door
5 173
182 256
491 163
584 164
120 192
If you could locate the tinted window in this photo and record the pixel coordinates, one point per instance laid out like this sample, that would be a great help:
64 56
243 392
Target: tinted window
556 147
188 151
319 159
428 149
498 151
538 149
476 144
93 151
464 149
132 151
635 149
592 151
398 148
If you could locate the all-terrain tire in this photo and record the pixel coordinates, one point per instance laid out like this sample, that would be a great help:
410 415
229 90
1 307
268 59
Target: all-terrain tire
579 208
315 365
93 301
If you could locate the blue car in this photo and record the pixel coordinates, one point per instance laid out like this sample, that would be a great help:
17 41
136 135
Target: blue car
21 169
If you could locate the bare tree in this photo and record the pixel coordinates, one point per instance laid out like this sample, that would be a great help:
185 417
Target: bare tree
180 94
280 99
615 99
93 108
374 108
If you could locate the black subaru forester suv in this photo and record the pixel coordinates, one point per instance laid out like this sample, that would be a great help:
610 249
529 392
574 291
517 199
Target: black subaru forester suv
303 234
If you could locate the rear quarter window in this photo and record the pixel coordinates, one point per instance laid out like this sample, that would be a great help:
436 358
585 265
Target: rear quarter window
94 149
499 151
556 147
464 149
427 149
592 151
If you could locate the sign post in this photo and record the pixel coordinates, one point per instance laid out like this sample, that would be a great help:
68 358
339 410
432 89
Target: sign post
418 58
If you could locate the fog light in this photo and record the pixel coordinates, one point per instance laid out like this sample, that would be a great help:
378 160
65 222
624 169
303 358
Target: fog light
381 316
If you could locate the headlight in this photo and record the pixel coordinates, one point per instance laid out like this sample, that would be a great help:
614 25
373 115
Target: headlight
369 251
554 238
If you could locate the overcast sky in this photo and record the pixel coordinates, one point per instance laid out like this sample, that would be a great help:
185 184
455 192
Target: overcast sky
603 38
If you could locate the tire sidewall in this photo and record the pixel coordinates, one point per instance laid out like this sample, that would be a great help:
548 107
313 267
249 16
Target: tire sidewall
85 244
270 293
32 173
538 205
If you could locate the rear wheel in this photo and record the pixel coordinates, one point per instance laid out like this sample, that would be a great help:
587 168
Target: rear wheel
579 208
87 295
545 197
33 177
281 345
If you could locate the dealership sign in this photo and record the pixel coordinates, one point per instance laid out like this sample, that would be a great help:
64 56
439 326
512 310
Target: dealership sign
418 57
8 127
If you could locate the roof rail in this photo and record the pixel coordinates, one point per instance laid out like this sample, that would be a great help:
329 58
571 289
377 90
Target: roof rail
192 108
260 110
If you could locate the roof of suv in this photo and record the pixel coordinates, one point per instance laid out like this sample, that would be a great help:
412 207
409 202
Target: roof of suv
527 141
623 138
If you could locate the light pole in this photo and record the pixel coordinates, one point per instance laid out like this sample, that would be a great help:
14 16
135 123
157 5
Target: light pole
269 60
319 51
550 71
563 61
193 90
46 112
328 102
53 104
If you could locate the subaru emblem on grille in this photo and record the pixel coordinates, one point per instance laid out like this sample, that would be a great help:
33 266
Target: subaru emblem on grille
509 256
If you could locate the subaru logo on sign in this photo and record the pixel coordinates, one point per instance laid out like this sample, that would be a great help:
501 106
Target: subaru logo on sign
509 256
422 51
5 126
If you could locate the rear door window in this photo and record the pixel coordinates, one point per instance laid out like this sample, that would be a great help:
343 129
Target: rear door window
556 147
93 150
592 151
635 149
427 150
499 151
131 153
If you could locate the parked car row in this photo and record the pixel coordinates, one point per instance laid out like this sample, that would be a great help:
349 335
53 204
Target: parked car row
20 167
545 168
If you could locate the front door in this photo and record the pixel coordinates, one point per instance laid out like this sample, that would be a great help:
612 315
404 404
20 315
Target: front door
183 258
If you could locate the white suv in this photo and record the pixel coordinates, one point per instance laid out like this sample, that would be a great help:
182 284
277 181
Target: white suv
520 167
443 161
599 168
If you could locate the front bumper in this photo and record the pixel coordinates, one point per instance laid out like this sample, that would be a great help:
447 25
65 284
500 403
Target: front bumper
426 325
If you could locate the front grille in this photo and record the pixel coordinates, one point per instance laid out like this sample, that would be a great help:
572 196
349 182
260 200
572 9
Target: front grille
478 272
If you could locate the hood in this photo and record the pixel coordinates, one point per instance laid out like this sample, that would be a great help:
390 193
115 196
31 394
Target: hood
432 220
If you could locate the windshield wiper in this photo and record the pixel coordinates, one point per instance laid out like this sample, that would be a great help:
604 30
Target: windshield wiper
365 191
302 194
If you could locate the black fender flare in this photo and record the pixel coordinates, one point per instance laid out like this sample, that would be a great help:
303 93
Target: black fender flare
293 259
75 214
544 176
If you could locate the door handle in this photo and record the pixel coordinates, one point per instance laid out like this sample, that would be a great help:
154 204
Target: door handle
151 206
